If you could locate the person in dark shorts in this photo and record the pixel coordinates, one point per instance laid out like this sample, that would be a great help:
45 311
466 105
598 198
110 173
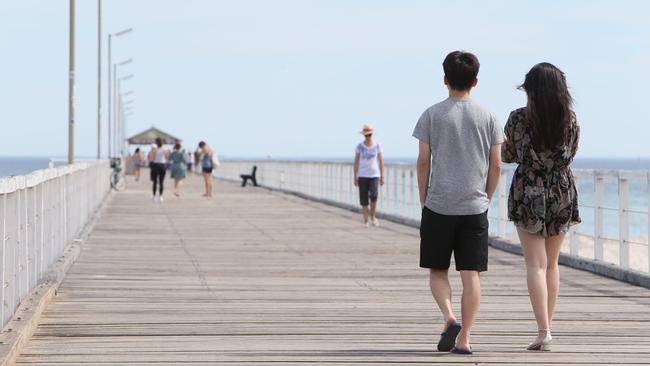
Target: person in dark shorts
207 165
458 169
158 157
368 175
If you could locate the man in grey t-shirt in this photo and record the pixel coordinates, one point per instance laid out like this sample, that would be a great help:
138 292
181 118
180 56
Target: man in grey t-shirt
458 171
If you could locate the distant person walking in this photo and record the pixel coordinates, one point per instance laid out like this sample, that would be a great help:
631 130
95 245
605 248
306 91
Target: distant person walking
189 161
458 169
178 168
137 160
207 166
197 160
368 174
543 201
158 157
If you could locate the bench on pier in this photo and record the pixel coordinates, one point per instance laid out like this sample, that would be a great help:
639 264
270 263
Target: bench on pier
251 177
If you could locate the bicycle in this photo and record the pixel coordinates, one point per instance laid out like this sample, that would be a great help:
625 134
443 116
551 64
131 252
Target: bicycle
118 180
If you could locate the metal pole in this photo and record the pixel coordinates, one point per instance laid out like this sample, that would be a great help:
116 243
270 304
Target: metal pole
71 85
99 78
114 110
110 62
118 116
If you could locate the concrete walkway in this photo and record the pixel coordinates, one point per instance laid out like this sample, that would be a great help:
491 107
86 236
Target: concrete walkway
252 277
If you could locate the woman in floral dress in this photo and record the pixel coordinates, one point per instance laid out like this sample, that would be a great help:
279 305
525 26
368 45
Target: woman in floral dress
543 201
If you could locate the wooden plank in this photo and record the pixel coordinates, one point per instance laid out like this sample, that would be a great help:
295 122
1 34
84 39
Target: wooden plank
253 277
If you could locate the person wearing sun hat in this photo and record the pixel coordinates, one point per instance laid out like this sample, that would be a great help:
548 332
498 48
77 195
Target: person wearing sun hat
368 174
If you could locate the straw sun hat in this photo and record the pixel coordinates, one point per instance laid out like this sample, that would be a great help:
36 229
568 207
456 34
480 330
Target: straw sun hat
367 130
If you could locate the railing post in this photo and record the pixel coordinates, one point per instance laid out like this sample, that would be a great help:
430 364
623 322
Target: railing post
412 205
10 265
599 190
623 216
3 238
574 243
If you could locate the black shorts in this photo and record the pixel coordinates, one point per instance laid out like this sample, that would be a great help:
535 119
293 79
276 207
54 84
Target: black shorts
206 170
466 236
368 189
157 171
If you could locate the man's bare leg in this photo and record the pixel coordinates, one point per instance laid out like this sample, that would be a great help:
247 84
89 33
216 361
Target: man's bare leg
441 291
470 303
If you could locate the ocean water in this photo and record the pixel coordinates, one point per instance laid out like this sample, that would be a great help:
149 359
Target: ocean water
21 165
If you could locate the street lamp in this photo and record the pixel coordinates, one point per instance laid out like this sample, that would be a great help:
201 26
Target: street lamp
110 66
116 117
71 70
119 123
99 79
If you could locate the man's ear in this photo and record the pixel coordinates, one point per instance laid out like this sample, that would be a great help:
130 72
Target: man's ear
474 82
444 79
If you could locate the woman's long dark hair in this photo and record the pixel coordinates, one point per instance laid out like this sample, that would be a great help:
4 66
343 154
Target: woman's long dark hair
550 106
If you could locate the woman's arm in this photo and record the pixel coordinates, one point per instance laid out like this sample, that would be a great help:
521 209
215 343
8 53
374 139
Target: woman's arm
356 168
508 151
576 140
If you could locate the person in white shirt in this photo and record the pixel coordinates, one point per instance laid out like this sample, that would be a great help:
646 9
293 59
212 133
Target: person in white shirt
158 157
368 174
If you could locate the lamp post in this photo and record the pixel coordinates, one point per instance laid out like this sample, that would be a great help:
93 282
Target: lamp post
99 79
114 107
110 66
71 85
119 123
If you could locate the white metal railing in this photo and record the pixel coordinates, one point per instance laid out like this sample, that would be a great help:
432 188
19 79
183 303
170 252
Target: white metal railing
613 203
40 214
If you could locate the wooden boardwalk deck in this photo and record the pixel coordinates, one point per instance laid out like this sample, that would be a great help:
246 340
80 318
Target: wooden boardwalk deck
253 277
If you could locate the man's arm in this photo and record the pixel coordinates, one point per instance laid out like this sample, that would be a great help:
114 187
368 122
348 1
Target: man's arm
494 170
356 169
423 170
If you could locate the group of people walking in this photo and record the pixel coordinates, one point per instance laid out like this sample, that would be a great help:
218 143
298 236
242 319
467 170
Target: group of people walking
178 162
461 148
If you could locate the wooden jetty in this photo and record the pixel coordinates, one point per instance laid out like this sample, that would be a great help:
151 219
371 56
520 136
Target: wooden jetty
253 277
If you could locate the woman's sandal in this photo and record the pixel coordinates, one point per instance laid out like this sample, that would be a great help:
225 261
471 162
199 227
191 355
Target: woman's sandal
544 344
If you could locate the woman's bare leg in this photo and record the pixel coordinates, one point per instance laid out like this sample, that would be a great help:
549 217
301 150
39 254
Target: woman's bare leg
553 247
534 248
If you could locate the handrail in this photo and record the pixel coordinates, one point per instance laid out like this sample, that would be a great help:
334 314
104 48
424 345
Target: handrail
41 213
332 181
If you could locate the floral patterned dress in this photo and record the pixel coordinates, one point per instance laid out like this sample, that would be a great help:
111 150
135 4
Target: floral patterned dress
543 199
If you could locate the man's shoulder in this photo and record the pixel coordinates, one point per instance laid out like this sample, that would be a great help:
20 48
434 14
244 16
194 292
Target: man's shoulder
481 110
441 105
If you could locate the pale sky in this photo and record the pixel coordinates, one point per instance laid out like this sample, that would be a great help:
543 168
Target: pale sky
299 78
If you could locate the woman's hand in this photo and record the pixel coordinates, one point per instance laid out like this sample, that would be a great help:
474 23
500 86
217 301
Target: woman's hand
381 181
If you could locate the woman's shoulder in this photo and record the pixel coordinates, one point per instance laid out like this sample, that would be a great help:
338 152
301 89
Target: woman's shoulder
518 113
517 116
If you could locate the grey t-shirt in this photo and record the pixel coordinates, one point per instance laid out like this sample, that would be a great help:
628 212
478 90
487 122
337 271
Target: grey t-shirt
460 134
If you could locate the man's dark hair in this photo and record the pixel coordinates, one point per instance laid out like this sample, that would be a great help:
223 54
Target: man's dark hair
461 69
201 144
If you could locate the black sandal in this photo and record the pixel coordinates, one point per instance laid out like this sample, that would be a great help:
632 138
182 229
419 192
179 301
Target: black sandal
448 337
459 351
